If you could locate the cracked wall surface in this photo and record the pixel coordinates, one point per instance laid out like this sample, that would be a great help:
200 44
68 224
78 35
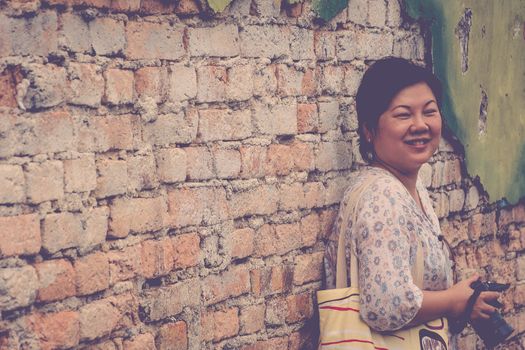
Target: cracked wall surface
479 52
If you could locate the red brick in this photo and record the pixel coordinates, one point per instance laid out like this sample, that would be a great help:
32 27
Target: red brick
157 7
137 215
310 229
20 235
326 220
92 273
279 160
218 325
119 86
303 156
240 243
151 82
309 84
307 118
141 342
9 78
98 319
156 257
61 231
253 160
314 194
125 5
299 308
186 250
455 231
100 134
187 8
280 343
173 336
148 40
252 319
270 280
277 240
56 280
55 330
192 206
308 268
230 283
124 264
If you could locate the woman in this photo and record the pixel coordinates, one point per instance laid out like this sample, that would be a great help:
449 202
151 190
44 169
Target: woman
399 130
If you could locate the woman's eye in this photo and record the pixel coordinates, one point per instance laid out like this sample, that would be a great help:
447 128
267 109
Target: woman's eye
402 115
430 112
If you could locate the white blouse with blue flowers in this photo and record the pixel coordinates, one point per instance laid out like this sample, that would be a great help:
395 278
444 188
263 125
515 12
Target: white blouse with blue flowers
386 235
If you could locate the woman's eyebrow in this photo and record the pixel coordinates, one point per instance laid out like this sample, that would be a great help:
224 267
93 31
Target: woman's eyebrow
408 107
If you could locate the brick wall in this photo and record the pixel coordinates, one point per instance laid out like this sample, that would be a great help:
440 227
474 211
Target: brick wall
167 176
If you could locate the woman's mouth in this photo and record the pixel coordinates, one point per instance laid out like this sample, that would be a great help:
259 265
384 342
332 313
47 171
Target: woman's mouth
417 142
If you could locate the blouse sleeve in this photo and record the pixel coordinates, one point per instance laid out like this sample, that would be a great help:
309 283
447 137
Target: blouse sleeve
389 297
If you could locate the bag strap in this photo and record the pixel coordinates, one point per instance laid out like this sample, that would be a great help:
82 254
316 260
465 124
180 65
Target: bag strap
341 270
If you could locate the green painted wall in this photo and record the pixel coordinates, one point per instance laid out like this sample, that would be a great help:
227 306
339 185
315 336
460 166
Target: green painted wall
478 49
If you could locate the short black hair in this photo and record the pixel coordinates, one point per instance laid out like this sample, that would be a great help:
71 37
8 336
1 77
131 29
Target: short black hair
382 81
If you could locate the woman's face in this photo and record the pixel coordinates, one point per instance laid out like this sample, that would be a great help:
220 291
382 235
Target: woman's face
409 130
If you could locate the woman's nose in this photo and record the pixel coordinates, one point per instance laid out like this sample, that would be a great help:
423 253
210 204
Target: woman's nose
419 124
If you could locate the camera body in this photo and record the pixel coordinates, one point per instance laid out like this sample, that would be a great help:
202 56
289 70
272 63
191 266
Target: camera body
494 330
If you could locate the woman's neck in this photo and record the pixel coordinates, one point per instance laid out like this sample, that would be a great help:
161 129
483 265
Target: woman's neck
407 178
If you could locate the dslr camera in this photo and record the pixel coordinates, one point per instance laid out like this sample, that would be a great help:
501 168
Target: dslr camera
494 330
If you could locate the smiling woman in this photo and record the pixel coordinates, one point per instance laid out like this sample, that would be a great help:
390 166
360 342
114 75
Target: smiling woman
404 270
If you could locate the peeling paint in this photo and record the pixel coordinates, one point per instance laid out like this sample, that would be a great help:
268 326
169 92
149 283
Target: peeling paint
478 44
218 5
328 9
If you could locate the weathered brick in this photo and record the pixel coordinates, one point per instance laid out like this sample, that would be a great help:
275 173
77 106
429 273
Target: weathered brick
264 81
199 163
157 257
291 196
45 181
276 310
48 86
289 80
328 116
173 336
193 206
333 156
227 163
156 7
112 177
32 35
18 287
218 325
310 85
98 318
457 199
240 82
240 243
124 264
142 173
394 18
260 200
59 330
358 12
351 81
409 46
187 8
10 77
163 302
277 239
331 79
119 86
212 83
56 280
271 280
107 36
74 32
182 83
252 318
20 235
335 188
219 41
170 129
136 215
314 194
146 40
377 12
352 45
308 268
91 273
276 119
61 231
231 283
141 342
307 118
125 5
472 198
80 175
171 165
324 45
302 44
253 160
186 250
310 229
262 8
106 133
283 159
224 125
265 41
151 82
299 307
273 343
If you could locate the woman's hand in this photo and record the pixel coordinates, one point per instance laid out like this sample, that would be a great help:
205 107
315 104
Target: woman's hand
459 295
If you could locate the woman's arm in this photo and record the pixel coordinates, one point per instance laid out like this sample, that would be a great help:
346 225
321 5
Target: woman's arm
452 303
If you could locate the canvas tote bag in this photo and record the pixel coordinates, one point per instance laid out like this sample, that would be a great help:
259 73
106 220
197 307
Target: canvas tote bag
341 327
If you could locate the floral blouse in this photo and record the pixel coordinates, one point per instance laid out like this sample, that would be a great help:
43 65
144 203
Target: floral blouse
386 234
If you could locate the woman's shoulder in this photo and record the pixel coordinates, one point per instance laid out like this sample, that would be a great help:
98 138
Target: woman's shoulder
374 180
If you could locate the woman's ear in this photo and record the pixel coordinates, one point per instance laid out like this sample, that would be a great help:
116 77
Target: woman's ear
368 134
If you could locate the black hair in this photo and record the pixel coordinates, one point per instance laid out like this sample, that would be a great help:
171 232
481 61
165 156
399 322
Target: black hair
382 81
